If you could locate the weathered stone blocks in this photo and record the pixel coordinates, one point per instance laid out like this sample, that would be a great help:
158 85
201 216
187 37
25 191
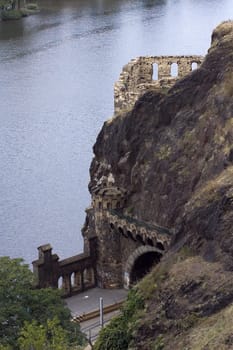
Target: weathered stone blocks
150 73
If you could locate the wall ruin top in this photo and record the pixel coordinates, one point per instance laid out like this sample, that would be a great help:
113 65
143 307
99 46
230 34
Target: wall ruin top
150 73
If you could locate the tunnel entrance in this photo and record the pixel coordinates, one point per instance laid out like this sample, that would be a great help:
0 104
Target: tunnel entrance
143 264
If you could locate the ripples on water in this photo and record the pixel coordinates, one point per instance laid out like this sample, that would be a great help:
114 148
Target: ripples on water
57 71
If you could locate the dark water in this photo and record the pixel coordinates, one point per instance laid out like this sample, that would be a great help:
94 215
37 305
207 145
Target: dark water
57 71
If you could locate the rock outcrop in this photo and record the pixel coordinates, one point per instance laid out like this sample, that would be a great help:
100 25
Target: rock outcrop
173 152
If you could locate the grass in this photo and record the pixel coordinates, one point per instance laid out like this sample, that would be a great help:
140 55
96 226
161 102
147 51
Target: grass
152 282
213 333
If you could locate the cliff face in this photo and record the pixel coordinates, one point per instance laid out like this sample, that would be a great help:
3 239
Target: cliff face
174 154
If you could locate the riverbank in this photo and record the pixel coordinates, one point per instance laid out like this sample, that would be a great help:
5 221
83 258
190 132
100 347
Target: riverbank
8 13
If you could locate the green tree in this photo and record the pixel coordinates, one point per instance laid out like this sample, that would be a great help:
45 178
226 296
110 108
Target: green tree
32 336
20 302
43 337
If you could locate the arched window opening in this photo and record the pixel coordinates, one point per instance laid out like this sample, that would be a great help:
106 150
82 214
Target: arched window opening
111 226
155 74
174 70
120 229
159 245
130 235
194 65
149 242
60 282
143 264
108 206
72 279
140 239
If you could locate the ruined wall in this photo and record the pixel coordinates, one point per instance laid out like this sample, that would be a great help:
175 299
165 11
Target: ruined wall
150 72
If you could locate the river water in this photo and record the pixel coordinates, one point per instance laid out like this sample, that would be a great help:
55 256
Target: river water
57 71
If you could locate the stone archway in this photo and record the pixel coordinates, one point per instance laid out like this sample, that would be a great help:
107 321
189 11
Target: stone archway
139 263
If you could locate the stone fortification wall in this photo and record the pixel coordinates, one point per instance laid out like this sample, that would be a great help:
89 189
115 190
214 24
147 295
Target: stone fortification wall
150 73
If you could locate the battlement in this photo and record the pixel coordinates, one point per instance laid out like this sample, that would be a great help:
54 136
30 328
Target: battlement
150 73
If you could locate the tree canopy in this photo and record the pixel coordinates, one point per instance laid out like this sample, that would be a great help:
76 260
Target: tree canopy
30 316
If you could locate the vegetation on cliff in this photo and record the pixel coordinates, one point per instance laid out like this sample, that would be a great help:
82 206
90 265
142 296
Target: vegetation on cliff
13 9
174 154
32 318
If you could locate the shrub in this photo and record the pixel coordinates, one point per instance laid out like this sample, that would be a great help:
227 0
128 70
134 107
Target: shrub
118 333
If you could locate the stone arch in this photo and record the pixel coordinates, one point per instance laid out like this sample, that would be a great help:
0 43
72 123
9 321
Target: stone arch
140 252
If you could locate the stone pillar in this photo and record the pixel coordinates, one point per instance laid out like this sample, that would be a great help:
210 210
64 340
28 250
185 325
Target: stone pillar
77 280
46 268
164 69
67 284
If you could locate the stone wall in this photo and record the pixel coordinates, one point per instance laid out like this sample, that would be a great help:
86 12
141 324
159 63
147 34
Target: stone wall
150 73
119 237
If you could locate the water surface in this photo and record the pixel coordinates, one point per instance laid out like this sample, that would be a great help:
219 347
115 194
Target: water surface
57 71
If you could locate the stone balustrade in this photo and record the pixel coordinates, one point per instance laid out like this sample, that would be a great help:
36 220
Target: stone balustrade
146 234
72 275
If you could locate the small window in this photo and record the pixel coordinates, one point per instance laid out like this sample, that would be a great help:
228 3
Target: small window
174 70
155 74
194 65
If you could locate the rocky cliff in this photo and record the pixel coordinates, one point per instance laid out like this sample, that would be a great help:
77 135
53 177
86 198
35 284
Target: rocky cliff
173 152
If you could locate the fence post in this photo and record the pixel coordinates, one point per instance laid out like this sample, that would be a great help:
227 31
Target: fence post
101 313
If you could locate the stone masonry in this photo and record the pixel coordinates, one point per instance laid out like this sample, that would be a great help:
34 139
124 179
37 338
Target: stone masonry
150 73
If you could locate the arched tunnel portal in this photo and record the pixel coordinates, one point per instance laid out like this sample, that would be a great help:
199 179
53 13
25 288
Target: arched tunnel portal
140 263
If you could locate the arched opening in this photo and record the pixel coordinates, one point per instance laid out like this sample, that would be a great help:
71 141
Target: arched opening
139 239
60 282
149 242
159 245
143 265
120 229
111 226
174 70
130 235
72 279
194 65
155 73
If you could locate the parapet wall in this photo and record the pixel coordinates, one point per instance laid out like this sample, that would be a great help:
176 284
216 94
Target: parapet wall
150 73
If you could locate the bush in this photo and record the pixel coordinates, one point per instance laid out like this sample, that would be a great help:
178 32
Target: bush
118 333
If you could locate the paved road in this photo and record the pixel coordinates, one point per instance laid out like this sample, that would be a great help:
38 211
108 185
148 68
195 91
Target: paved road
89 300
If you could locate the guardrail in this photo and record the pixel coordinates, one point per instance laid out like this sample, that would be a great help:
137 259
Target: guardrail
96 313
